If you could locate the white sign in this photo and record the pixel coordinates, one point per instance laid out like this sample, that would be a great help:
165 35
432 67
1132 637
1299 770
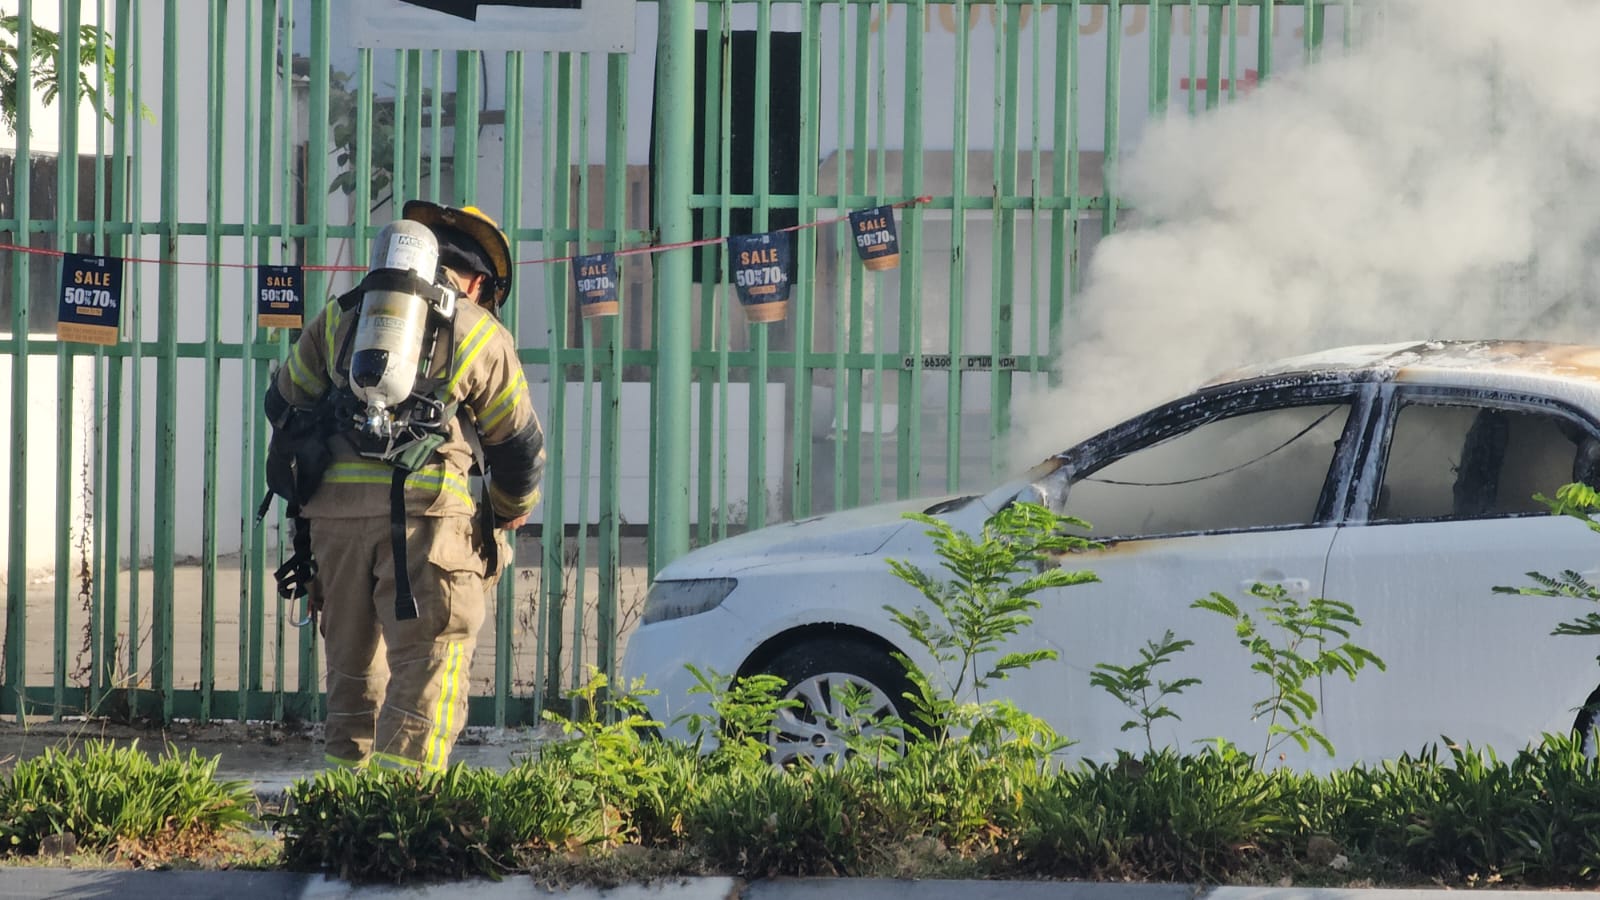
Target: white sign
604 26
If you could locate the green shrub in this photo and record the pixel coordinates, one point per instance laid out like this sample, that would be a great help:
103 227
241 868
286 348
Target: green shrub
1131 685
611 775
1304 642
1163 816
956 795
1534 818
110 797
403 825
759 821
986 601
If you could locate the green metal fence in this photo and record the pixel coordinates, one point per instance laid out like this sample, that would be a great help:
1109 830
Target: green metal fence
216 136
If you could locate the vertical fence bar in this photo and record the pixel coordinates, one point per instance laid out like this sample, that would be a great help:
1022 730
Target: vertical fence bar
66 357
215 84
669 527
1316 28
1036 196
806 263
1036 188
511 214
361 220
436 127
1266 17
586 426
400 185
136 330
710 262
1063 223
1108 165
858 279
1161 26
761 183
956 323
16 669
261 202
108 515
1007 42
469 94
722 296
408 120
1233 50
1193 93
611 387
846 379
1213 56
287 177
908 465
317 287
555 449
851 270
546 617
250 543
167 374
880 306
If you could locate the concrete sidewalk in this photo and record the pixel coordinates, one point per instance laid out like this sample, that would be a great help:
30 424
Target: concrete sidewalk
29 884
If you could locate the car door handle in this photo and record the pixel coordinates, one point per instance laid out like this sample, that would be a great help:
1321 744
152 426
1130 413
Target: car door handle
1300 587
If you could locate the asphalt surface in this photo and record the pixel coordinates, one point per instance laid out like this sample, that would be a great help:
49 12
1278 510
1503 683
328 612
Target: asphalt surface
41 883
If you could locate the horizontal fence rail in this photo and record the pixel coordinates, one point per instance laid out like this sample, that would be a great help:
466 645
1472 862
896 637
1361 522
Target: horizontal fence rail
206 138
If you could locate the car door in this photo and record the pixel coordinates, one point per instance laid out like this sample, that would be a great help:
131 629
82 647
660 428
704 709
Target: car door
1446 514
1215 495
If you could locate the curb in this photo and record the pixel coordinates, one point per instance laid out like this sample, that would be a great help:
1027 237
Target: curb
34 883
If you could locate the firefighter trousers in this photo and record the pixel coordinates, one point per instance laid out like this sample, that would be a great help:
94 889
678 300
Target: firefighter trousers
397 690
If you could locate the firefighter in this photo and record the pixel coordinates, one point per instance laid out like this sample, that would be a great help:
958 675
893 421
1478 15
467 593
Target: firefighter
406 552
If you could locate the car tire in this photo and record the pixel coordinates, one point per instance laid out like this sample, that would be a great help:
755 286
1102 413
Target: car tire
817 673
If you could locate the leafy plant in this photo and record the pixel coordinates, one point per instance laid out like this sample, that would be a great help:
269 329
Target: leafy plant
1312 639
108 797
1132 684
42 62
1164 816
391 825
764 822
1581 502
343 103
984 603
604 751
742 714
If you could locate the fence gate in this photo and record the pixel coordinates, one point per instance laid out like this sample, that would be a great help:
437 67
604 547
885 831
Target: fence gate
194 142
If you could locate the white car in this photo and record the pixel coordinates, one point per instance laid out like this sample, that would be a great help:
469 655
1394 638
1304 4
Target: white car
1398 478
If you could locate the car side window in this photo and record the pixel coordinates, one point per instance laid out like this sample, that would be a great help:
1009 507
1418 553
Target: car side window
1478 462
1263 469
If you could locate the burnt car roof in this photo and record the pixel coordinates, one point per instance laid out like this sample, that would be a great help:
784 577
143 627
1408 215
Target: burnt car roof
1436 362
1563 372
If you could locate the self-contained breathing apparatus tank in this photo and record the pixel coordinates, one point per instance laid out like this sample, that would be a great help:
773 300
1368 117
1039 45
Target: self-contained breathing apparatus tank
393 339
400 419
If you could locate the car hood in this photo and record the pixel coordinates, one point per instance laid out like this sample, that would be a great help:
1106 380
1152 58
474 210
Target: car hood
856 532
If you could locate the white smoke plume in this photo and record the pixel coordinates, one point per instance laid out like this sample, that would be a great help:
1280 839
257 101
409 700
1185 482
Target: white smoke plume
1440 181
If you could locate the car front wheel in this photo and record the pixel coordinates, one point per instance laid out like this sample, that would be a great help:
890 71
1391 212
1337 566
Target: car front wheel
846 692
